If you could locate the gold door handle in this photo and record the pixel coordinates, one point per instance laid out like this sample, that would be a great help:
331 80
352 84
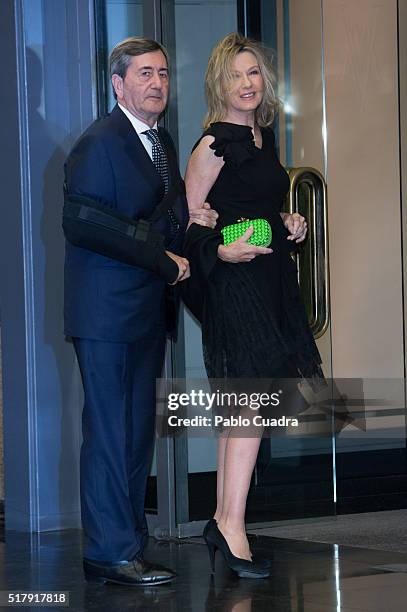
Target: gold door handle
308 196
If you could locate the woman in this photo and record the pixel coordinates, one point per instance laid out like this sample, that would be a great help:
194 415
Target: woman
247 298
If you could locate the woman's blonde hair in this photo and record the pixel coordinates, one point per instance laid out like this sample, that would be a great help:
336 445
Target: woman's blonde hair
219 75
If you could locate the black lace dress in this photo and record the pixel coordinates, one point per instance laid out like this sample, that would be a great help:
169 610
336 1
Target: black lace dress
254 323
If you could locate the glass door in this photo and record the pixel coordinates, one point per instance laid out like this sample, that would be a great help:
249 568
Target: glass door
294 475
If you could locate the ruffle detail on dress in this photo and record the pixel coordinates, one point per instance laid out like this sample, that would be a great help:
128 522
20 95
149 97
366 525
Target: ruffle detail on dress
235 143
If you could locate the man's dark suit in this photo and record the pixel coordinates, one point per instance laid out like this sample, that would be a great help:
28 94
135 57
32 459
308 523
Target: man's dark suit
116 315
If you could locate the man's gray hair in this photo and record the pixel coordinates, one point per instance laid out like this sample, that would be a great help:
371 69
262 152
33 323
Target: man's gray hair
123 52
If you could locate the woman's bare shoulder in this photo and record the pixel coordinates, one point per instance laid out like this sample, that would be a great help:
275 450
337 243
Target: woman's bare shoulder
204 154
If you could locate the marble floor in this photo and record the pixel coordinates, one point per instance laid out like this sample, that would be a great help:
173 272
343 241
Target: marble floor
306 577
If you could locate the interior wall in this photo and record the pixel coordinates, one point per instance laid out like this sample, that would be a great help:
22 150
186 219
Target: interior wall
360 40
306 99
355 45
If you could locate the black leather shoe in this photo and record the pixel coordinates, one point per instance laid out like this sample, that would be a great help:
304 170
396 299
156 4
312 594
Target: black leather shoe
258 560
138 572
244 569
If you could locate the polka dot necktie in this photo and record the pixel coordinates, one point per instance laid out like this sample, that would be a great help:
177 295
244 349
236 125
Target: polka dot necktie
161 164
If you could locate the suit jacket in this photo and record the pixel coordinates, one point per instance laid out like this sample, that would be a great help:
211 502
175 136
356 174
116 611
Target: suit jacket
104 298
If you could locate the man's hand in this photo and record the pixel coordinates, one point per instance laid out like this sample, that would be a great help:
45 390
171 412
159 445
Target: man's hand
240 250
183 267
296 225
205 216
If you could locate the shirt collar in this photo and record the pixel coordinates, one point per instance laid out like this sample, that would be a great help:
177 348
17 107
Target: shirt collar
138 125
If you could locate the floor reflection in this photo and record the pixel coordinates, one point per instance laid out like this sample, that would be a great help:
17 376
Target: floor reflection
306 577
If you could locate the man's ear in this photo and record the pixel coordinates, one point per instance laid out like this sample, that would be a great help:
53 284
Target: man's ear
117 83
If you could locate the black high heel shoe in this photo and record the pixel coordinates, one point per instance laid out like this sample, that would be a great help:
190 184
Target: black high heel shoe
208 525
263 562
243 568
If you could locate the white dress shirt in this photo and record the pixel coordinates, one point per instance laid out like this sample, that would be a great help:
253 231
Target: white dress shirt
140 127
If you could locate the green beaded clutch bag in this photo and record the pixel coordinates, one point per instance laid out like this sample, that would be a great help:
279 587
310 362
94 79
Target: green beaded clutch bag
261 236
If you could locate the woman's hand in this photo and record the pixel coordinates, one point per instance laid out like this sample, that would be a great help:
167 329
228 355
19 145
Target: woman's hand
240 250
296 225
205 216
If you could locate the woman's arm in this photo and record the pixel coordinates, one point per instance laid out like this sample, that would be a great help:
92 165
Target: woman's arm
202 171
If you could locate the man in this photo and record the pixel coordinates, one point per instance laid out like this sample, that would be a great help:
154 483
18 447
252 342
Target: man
116 313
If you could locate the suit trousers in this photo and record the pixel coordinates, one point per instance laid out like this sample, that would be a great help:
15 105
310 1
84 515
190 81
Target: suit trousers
118 423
